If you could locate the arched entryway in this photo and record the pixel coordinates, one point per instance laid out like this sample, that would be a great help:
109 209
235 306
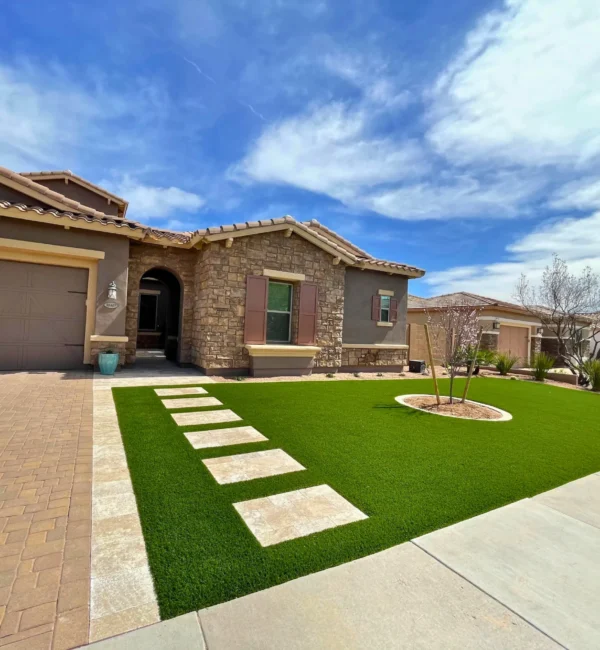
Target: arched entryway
159 315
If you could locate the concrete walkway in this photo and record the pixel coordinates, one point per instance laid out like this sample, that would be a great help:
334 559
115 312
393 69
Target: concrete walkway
523 576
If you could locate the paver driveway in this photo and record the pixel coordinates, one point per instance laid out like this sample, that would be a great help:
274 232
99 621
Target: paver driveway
45 509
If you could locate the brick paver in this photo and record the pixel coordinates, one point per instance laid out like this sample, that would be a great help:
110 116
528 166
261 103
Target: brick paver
45 509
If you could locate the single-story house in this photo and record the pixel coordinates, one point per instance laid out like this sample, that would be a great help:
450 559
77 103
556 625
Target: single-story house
507 327
278 296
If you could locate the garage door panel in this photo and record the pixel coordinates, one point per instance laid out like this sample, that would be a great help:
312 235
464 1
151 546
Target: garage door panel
10 357
12 276
12 330
12 303
63 278
52 357
42 316
64 306
515 341
56 332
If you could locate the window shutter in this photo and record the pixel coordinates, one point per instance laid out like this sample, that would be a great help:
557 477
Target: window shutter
255 326
376 308
393 311
307 316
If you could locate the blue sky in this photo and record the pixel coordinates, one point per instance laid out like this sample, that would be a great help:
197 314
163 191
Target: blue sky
463 137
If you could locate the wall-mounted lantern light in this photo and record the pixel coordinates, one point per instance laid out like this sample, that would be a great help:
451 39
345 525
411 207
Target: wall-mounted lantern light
112 290
539 330
496 325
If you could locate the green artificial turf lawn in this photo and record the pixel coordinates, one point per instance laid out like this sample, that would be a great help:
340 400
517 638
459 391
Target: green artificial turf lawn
410 472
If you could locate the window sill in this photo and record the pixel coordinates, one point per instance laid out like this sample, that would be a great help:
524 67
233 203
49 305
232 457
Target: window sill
274 350
384 323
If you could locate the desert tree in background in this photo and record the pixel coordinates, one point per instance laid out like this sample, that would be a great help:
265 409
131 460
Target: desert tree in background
568 306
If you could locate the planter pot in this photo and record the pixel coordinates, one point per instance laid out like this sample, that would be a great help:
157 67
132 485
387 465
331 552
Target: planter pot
108 362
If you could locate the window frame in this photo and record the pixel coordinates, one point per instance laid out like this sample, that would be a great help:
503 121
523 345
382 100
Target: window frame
277 311
149 295
387 309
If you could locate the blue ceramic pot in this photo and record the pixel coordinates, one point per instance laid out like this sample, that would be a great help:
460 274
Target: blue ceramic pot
108 362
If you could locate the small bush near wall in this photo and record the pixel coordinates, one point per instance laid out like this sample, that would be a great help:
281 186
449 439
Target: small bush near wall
592 369
505 363
542 364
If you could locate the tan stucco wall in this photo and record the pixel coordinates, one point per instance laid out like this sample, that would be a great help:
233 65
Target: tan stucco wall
109 322
360 288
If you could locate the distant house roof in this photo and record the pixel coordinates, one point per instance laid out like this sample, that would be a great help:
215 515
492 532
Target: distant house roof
460 298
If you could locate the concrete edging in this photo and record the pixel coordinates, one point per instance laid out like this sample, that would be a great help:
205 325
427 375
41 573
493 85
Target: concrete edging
505 415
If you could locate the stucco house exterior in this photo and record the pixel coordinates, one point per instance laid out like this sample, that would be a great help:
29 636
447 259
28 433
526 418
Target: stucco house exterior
507 327
270 297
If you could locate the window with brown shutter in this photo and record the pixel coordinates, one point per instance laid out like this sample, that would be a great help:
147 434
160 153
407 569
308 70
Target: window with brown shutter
376 308
393 310
255 326
307 316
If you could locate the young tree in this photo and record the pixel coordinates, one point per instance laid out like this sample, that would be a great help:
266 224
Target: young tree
567 305
456 330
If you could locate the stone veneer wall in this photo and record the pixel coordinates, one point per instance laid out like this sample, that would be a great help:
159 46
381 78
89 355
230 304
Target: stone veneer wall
100 346
142 258
376 358
489 342
219 304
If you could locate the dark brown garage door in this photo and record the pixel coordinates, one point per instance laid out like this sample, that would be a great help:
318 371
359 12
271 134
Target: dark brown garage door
42 316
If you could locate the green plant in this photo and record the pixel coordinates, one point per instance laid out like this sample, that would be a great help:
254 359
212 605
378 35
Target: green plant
240 378
505 362
357 374
330 375
591 368
542 363
380 374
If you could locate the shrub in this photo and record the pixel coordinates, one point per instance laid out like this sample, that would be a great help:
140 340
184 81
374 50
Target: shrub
330 375
592 369
240 378
505 362
542 363
357 374
380 374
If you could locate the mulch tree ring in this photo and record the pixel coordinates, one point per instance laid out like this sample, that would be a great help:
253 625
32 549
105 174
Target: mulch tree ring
468 411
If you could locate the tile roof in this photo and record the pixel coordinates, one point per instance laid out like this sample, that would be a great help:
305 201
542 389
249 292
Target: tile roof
462 298
75 211
145 232
67 173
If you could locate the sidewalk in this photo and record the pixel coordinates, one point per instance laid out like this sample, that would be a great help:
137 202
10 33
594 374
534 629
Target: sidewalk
523 576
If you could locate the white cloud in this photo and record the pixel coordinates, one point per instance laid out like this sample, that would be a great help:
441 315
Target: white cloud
525 88
454 195
575 240
515 112
578 194
149 201
49 119
329 150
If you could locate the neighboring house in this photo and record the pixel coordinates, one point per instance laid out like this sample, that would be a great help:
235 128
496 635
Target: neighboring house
270 297
507 327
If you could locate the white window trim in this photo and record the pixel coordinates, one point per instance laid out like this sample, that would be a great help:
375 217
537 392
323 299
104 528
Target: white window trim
388 309
276 311
385 292
284 276
385 323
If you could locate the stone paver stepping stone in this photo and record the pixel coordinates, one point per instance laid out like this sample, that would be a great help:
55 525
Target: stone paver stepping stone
169 392
224 437
286 516
191 402
246 467
205 417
